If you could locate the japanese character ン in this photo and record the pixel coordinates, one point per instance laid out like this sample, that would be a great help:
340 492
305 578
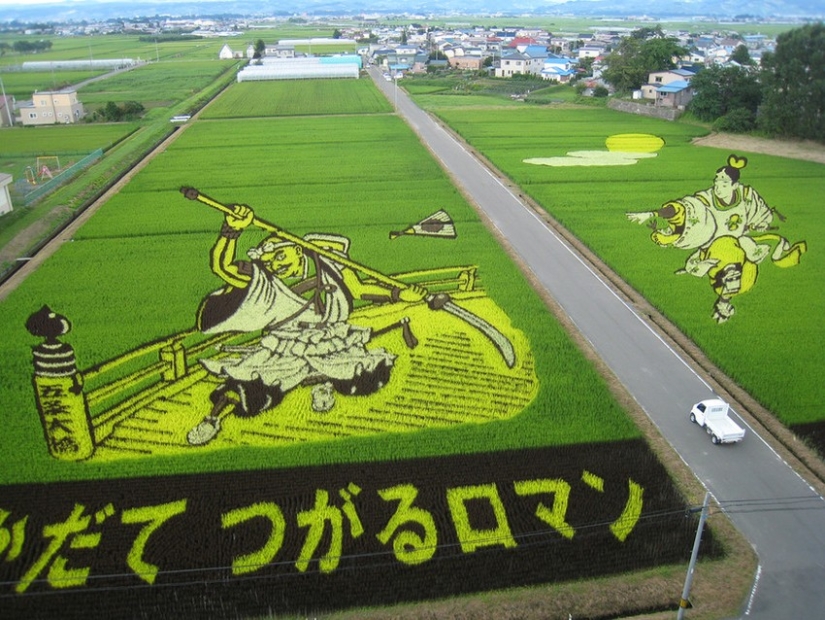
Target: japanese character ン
71 532
154 517
623 526
251 562
316 520
410 547
469 537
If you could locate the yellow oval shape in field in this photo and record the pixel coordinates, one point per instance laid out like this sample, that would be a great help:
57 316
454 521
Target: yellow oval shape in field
634 143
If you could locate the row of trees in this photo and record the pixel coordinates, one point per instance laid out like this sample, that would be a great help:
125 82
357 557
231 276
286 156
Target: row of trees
113 113
637 55
785 96
25 47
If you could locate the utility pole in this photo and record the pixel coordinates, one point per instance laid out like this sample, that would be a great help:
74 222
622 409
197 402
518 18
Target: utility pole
6 103
689 578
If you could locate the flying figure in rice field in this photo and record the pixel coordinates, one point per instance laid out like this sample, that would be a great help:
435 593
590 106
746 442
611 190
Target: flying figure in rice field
728 227
300 297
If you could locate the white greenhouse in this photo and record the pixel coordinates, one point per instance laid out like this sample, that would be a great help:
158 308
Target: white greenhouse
101 63
302 68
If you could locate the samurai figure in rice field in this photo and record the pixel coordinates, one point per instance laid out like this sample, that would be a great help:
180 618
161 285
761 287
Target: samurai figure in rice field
729 230
300 300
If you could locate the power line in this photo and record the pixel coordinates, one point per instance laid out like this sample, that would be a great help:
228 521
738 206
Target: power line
536 538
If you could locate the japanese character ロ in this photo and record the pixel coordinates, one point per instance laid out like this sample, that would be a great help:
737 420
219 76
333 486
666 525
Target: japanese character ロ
469 537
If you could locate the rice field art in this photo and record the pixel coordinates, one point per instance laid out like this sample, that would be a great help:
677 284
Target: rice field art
236 394
284 327
299 344
728 229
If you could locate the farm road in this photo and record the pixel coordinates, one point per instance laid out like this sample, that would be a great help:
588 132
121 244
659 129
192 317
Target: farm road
779 512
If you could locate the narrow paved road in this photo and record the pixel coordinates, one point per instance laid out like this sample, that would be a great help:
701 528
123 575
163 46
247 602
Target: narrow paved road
780 513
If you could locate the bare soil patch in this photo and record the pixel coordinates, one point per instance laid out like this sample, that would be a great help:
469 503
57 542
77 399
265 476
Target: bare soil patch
793 149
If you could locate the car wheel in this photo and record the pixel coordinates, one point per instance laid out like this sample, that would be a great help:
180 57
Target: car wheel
693 418
714 439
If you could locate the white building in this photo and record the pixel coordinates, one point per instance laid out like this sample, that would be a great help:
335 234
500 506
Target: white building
5 198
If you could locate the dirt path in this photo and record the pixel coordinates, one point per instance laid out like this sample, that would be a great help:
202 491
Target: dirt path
793 149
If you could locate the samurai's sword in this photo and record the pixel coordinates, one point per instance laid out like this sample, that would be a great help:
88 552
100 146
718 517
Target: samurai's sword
438 301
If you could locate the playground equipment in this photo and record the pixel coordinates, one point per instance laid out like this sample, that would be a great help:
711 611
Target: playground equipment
45 168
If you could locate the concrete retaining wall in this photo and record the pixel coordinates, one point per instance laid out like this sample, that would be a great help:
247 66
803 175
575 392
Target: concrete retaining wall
668 114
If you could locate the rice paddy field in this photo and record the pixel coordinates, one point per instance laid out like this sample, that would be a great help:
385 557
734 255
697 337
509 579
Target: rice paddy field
489 444
561 158
176 82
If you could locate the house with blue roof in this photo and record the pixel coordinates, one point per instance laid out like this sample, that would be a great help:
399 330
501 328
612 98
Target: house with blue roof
670 88
559 68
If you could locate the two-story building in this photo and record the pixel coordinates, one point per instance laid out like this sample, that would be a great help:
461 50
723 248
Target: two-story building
559 69
516 63
462 57
52 107
669 88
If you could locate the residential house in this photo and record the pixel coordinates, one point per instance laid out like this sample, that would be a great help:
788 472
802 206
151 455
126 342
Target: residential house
52 107
558 69
661 78
515 63
561 44
669 88
404 55
465 58
537 52
227 53
674 95
590 51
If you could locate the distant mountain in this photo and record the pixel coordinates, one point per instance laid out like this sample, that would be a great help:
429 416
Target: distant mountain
80 10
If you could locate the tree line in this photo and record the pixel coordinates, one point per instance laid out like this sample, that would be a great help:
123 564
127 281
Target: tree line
25 47
782 97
